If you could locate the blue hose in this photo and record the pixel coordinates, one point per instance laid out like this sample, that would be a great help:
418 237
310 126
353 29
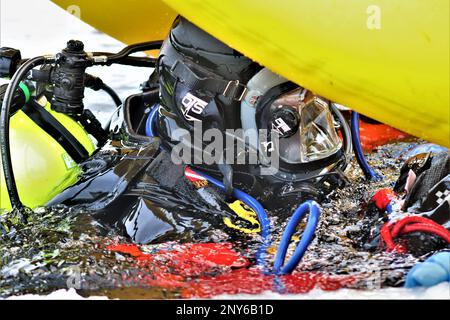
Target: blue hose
149 125
307 237
314 213
356 142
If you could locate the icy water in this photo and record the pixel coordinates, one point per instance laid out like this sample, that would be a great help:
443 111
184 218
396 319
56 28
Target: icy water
60 248
49 250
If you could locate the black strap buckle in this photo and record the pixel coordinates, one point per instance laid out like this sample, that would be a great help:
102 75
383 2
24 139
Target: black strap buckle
235 90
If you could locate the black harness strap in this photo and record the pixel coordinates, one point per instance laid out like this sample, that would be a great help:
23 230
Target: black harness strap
56 130
232 89
93 126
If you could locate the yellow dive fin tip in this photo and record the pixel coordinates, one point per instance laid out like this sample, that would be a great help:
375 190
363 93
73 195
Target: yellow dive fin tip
246 214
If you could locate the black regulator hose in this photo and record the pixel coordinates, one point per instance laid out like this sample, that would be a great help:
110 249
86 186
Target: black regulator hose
20 74
112 94
95 83
146 62
122 57
346 131
143 46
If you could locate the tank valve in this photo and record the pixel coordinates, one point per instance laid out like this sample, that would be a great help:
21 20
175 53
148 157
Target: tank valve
68 77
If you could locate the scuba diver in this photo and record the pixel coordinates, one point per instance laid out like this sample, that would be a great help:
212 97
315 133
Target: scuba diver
201 85
212 141
208 87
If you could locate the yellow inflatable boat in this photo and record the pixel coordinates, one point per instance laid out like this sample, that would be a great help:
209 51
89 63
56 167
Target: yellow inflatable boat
388 59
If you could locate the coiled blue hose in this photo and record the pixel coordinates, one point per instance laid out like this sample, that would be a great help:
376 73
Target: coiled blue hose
314 213
356 142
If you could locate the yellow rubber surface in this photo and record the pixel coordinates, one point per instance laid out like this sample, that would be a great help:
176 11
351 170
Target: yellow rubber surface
387 59
129 21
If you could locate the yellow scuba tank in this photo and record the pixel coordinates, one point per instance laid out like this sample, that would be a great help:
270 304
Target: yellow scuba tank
43 168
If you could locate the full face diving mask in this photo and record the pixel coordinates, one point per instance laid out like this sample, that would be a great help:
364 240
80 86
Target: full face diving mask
203 80
304 125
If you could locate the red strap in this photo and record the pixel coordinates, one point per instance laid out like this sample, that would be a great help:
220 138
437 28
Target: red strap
442 232
192 175
396 230
409 224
